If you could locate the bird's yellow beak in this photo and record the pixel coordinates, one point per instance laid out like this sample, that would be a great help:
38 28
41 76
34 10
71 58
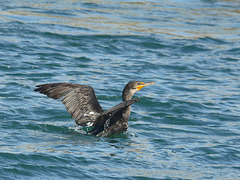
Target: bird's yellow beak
143 84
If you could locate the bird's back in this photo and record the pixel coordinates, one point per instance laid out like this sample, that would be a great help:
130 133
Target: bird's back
114 120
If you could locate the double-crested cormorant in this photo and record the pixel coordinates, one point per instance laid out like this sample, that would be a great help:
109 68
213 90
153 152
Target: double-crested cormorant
81 102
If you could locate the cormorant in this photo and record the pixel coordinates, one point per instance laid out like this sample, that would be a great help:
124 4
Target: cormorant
81 102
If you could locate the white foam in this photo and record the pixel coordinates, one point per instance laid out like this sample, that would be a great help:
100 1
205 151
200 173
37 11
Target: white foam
89 123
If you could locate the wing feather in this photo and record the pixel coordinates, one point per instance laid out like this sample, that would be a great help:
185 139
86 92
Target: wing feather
78 99
76 113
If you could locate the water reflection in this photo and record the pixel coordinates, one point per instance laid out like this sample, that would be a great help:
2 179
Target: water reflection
182 20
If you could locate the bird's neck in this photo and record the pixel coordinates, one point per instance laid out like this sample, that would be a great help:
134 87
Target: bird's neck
126 113
126 95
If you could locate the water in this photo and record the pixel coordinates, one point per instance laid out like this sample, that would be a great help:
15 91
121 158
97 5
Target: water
185 127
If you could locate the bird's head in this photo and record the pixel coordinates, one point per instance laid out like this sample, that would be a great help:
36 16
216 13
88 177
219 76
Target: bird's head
132 87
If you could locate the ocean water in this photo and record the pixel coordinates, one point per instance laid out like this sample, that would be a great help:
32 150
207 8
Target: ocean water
186 126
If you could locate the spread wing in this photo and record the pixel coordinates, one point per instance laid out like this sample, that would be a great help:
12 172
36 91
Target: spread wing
79 100
106 124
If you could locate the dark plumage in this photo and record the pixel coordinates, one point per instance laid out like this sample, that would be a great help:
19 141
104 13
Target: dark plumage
81 102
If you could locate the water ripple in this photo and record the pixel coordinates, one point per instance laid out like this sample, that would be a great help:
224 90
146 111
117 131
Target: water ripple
184 127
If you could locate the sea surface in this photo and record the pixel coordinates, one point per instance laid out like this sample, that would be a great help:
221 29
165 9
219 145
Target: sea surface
186 126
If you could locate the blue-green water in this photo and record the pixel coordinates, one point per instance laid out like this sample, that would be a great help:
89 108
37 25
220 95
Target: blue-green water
187 126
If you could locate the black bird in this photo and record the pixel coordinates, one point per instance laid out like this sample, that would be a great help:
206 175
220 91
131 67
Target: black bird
81 102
